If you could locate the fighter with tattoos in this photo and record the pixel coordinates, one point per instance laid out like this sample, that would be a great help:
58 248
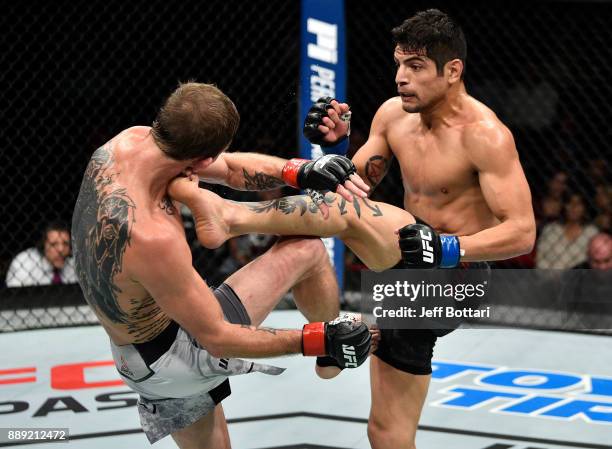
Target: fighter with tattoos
174 340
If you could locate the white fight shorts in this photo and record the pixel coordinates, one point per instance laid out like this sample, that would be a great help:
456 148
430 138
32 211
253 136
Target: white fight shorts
178 381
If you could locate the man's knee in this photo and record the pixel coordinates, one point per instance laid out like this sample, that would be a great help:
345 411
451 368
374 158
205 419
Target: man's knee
390 435
307 251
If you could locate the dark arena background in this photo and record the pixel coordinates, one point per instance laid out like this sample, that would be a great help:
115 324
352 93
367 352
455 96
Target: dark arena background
74 74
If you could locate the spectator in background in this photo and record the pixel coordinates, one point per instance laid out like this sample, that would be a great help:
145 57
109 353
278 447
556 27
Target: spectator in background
47 263
564 244
549 208
599 253
588 292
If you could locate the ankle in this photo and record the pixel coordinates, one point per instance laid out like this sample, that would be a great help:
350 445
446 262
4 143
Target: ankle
231 218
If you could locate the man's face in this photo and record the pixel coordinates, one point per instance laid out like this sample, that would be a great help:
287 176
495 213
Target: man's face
600 253
417 80
57 248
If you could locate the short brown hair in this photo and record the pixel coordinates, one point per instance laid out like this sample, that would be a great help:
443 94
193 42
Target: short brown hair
196 121
435 32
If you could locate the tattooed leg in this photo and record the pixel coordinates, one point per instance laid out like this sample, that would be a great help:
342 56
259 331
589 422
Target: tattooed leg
366 226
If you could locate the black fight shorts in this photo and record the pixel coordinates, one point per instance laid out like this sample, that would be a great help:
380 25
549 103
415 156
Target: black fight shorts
411 350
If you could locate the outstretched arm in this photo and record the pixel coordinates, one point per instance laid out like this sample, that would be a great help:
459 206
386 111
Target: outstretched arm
255 171
165 271
163 266
246 171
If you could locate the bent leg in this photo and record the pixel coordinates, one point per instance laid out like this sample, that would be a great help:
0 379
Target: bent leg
397 401
209 432
298 263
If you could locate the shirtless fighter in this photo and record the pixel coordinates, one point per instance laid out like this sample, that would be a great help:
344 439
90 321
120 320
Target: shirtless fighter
174 341
461 175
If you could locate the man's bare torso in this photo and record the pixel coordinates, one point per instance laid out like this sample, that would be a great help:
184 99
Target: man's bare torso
440 181
114 212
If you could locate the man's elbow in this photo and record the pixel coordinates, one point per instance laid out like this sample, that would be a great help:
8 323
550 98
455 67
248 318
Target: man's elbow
216 350
213 344
525 237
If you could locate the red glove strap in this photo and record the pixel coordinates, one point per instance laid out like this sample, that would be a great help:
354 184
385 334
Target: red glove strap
290 171
313 339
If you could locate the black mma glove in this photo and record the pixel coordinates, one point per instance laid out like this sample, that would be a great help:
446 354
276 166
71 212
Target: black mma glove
325 173
345 339
314 118
422 247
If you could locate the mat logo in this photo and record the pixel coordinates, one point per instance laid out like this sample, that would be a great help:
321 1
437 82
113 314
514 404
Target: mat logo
541 394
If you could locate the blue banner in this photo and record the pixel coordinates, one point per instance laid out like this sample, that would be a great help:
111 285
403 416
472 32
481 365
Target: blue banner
322 74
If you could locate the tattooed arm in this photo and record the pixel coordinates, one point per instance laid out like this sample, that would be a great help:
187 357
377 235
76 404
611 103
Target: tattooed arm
253 171
163 266
246 171
373 159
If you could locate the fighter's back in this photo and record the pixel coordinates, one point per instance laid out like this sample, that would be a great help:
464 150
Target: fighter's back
113 213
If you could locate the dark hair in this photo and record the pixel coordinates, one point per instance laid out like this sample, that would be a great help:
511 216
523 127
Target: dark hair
196 121
434 32
52 226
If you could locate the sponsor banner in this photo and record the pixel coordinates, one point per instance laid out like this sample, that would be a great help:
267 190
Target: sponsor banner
322 74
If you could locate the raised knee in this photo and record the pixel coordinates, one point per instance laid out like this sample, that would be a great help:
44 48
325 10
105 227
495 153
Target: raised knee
307 250
386 435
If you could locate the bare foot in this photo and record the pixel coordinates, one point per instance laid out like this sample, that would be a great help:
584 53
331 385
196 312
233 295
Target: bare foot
184 189
207 209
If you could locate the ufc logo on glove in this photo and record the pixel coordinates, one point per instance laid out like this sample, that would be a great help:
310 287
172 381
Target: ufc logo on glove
350 361
427 248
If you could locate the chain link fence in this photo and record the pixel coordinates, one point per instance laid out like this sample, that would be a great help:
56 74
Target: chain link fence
75 74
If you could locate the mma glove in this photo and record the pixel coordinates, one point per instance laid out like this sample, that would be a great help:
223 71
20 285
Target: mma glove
422 247
345 339
314 118
324 173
